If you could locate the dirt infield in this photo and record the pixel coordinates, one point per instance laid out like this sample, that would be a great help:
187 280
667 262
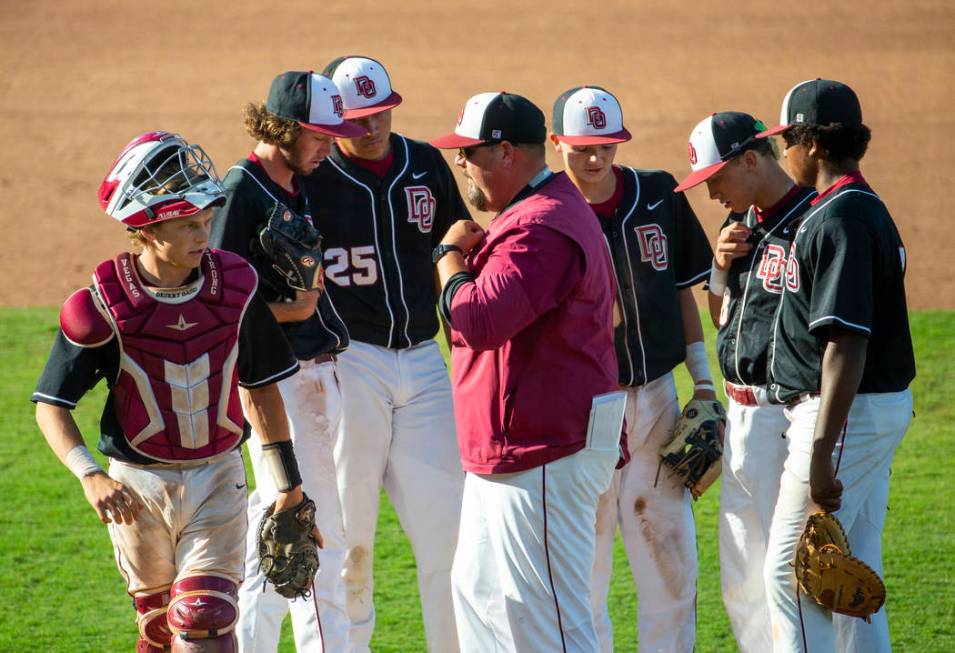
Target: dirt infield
81 78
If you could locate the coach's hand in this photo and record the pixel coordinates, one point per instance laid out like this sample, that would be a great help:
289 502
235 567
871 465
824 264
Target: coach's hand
112 501
824 488
731 244
464 234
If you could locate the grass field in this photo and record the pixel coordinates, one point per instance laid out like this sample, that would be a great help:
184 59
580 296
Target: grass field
62 592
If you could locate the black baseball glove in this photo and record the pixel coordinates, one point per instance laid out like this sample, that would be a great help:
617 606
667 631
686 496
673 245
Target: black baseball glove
288 555
294 247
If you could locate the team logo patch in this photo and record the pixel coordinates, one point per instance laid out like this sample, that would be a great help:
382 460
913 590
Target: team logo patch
421 205
653 245
792 270
365 86
596 117
692 150
772 268
338 106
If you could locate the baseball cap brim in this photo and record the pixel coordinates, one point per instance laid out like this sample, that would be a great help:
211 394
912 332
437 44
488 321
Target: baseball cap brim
344 130
389 102
779 129
697 177
621 136
453 140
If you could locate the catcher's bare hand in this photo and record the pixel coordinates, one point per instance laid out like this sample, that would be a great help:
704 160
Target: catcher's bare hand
731 244
465 234
824 488
292 498
112 501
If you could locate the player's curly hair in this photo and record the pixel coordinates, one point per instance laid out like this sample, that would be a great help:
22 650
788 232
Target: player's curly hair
270 128
839 142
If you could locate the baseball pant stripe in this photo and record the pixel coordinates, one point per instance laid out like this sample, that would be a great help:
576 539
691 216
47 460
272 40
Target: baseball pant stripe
550 574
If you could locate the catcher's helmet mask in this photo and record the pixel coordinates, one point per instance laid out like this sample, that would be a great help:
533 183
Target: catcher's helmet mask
159 176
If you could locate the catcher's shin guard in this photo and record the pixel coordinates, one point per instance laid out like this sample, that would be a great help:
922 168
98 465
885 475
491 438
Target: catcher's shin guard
202 614
154 632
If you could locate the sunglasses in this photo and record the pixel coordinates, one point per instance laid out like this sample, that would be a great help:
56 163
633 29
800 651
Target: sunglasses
467 152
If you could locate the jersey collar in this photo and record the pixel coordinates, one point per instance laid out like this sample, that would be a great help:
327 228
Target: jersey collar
854 177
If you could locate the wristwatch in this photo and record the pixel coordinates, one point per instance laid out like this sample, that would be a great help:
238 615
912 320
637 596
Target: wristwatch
441 250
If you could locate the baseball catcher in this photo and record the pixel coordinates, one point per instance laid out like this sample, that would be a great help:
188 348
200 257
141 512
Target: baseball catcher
697 446
827 571
294 247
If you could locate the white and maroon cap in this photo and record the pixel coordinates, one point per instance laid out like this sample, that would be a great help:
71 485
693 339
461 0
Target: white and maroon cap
716 140
311 100
364 85
496 117
588 115
818 102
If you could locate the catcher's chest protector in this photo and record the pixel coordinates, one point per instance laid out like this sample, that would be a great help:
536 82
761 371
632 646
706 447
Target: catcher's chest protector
176 395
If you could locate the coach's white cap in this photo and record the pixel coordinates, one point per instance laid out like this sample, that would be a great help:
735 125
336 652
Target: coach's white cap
588 115
364 85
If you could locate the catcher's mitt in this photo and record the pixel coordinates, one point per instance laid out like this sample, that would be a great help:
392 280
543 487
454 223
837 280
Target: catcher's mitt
294 248
696 448
827 571
288 556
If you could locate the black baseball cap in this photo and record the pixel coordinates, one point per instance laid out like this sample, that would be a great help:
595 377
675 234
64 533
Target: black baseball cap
818 102
716 140
312 101
495 117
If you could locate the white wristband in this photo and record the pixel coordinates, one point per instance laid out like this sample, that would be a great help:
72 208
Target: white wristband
697 363
718 280
81 462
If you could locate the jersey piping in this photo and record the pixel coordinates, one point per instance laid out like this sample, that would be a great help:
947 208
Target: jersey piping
633 281
394 240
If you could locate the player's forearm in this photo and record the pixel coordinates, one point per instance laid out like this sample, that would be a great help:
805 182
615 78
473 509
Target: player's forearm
690 312
59 428
265 411
715 303
842 365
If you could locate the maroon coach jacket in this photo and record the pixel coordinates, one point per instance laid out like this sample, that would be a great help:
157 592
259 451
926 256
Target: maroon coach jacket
532 335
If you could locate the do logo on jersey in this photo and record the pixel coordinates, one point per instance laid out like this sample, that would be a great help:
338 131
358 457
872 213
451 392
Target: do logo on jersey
653 245
365 86
792 270
596 117
772 268
421 205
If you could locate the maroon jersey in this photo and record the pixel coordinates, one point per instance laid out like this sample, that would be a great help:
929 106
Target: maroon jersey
176 396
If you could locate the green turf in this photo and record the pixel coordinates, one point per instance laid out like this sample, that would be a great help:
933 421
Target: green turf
61 590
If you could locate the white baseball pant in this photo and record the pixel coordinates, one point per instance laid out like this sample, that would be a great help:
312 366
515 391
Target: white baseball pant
320 623
397 430
754 450
192 522
520 578
657 527
874 429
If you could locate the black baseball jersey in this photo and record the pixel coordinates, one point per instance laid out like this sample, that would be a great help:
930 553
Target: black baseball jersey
71 371
251 195
845 270
657 247
754 285
378 236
